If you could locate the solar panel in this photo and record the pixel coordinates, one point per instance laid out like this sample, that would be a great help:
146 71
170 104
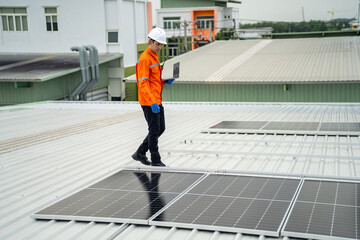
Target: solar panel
341 126
288 126
126 196
294 126
254 205
325 210
240 124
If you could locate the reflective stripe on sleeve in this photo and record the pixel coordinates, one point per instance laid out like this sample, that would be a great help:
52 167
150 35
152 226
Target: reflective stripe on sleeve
154 65
144 78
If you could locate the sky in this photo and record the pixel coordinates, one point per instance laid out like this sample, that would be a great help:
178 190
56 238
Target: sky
289 10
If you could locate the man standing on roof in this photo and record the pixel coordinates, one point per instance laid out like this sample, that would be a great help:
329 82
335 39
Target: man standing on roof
150 86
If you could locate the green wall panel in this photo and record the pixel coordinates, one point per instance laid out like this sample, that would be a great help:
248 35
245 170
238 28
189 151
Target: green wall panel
131 91
141 48
186 3
128 71
344 92
53 89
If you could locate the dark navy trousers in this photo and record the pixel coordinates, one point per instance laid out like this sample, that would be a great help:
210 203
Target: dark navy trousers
156 127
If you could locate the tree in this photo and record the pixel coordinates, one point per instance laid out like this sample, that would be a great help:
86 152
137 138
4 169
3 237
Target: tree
225 34
311 26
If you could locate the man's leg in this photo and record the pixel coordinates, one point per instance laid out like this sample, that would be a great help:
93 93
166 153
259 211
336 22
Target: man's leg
144 147
153 120
162 120
140 154
156 126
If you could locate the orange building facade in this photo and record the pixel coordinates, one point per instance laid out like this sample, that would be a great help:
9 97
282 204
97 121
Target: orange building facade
201 22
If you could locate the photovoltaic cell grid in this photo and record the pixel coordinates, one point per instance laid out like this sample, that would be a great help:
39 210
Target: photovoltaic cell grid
240 124
290 126
351 127
326 210
254 205
127 196
294 126
232 203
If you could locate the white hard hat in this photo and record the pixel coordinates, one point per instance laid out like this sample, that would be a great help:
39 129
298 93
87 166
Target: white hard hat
158 34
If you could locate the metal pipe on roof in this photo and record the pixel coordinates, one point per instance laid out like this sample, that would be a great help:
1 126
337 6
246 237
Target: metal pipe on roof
94 65
84 72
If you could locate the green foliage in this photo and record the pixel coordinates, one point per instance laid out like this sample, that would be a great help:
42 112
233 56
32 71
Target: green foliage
311 26
225 34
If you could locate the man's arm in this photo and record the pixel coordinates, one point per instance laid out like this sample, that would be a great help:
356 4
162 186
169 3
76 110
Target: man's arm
143 68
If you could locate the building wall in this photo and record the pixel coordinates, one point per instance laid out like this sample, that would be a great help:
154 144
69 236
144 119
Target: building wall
204 32
183 13
342 92
53 89
224 18
79 23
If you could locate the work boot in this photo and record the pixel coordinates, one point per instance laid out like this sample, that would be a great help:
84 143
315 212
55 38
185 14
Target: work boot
142 158
158 164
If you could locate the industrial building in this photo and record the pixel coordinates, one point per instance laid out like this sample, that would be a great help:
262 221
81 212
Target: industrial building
266 70
37 34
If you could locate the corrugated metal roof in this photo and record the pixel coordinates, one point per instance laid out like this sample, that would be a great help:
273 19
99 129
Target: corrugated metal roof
41 67
68 145
271 61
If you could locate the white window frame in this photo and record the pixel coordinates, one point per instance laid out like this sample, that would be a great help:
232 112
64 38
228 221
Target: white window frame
107 36
52 15
171 22
14 16
172 47
205 22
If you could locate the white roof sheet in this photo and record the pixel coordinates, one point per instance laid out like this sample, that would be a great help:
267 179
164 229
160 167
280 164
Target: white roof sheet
51 149
305 60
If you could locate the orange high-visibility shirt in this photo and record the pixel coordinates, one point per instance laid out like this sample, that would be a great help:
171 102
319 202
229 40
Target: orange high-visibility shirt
148 78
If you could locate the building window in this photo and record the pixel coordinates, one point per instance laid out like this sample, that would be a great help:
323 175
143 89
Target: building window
203 22
14 19
173 49
113 37
51 19
171 22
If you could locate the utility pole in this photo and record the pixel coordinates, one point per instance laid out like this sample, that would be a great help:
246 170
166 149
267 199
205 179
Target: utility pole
303 14
332 14
234 28
185 36
210 31
358 14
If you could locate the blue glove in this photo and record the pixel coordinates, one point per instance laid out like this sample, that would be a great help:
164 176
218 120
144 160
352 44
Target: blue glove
170 81
155 108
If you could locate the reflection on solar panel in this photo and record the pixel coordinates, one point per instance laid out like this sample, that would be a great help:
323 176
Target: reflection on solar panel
127 196
326 210
255 205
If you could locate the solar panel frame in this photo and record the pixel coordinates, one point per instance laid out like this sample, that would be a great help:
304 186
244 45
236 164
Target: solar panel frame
306 213
276 233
